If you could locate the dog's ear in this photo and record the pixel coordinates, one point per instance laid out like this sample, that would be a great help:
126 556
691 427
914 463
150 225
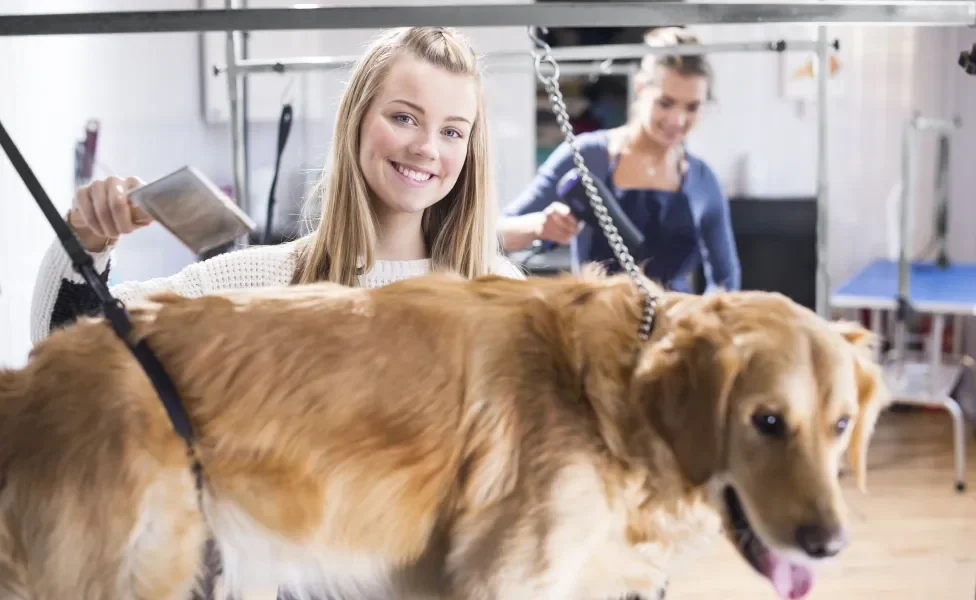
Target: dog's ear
872 396
863 339
685 381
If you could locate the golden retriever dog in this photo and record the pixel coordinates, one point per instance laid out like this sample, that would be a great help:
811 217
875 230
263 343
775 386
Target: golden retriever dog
437 438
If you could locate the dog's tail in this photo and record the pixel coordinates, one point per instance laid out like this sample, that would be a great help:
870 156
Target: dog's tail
13 573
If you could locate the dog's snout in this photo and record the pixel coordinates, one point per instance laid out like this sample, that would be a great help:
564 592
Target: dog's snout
821 542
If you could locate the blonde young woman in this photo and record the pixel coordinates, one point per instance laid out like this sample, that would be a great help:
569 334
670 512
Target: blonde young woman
408 192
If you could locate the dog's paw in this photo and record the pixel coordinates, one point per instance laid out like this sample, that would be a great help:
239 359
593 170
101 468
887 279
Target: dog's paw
661 594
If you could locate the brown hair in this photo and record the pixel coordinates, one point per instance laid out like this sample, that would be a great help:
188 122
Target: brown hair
459 229
685 64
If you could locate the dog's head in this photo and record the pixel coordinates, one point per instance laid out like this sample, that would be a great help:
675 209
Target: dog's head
759 399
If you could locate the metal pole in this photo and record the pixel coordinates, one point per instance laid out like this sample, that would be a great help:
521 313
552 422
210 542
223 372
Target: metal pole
945 129
904 219
943 126
236 117
823 196
596 69
555 14
619 51
564 55
296 64
943 179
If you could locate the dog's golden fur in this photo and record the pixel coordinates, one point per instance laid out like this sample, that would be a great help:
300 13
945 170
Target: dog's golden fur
434 438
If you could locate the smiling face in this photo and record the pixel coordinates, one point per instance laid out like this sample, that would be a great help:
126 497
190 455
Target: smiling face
414 137
668 104
758 400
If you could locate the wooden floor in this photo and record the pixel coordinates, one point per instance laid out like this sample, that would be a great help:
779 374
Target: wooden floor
913 536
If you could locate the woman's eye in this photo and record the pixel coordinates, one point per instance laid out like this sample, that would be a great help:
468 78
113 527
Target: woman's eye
454 133
406 119
841 425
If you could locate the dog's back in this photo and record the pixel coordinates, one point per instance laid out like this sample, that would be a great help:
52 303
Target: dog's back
312 423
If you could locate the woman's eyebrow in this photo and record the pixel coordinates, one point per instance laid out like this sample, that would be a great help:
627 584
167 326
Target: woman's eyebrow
418 108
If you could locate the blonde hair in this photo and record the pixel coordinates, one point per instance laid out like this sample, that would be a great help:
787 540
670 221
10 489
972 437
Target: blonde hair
459 229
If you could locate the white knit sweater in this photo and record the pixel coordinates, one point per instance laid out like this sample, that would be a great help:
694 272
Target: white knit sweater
259 266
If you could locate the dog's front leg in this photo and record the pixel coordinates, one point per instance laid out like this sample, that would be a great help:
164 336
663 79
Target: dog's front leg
520 561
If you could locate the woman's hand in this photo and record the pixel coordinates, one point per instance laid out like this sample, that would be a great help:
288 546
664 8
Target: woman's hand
101 212
558 224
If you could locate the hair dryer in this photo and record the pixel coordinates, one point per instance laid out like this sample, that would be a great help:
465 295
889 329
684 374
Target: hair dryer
573 193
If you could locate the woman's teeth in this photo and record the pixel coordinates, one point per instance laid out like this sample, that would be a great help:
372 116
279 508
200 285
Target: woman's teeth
415 175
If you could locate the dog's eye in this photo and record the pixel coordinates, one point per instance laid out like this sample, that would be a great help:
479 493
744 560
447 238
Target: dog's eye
841 425
769 424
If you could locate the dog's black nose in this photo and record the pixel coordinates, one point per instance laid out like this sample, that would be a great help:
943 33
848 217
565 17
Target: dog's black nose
820 542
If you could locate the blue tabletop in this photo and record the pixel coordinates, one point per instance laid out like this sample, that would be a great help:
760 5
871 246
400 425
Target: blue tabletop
930 287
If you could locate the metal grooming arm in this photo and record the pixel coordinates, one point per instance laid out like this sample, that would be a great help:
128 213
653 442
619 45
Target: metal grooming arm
913 126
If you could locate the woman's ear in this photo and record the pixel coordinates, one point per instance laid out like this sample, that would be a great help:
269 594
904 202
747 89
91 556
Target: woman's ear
640 84
685 382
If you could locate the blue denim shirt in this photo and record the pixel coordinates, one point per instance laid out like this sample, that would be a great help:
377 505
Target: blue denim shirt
683 229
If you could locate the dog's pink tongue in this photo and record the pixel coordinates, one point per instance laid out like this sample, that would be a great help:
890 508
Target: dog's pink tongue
791 581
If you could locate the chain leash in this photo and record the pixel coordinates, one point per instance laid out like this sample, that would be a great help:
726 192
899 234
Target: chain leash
542 55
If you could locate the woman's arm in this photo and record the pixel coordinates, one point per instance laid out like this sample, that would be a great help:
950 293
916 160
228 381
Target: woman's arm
721 264
519 231
61 296
538 213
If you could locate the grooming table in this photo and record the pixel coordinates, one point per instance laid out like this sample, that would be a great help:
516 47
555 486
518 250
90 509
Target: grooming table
919 379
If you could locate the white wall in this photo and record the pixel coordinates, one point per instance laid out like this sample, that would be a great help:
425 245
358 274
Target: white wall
146 90
143 89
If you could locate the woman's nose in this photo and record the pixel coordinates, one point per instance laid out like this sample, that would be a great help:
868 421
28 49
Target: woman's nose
424 145
678 118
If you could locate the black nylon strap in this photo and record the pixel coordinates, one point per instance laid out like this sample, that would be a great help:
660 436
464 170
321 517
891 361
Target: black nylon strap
284 128
113 308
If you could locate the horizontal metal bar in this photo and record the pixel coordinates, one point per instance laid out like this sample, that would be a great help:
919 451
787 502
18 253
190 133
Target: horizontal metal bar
555 14
564 55
298 63
936 124
596 69
624 51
